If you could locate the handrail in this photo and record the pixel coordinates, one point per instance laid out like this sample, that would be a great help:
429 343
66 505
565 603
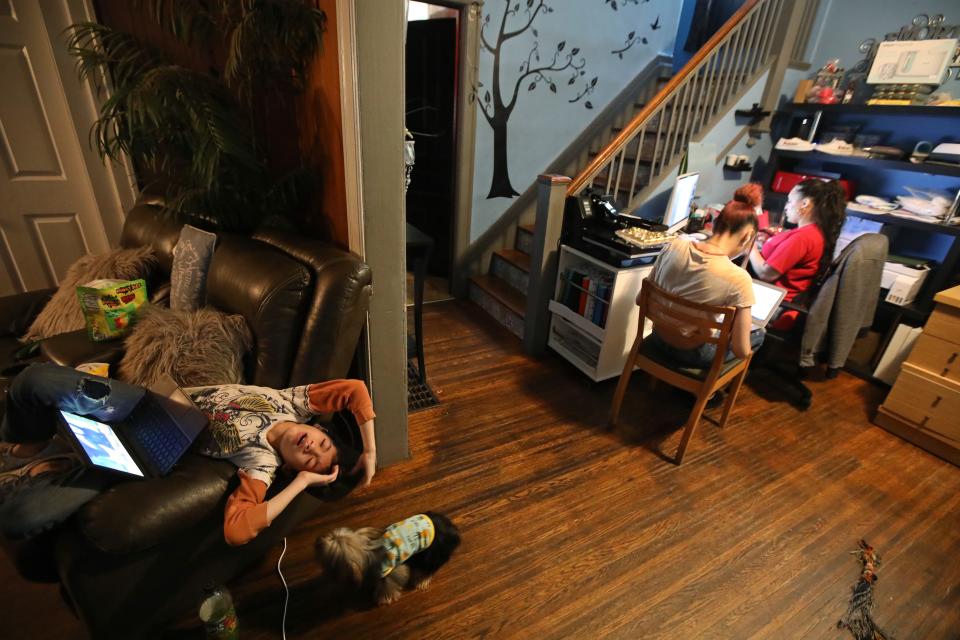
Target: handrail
638 121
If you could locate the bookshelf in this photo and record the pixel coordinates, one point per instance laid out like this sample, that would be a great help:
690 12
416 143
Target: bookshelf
594 321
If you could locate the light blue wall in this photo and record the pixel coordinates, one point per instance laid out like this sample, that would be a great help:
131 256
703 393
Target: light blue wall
843 24
717 185
544 123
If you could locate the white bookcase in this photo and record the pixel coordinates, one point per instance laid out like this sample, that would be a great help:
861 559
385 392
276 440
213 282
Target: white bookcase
599 352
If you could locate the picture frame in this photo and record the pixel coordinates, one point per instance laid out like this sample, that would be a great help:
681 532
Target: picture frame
913 61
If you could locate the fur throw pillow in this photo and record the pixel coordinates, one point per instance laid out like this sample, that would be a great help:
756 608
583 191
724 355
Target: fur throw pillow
195 348
63 313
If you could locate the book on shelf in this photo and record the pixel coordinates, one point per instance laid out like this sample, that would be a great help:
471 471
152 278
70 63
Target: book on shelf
587 292
584 294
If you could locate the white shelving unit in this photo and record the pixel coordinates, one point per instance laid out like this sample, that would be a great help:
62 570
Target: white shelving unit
599 352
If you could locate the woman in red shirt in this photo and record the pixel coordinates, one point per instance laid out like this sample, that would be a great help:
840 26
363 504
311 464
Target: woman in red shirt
796 258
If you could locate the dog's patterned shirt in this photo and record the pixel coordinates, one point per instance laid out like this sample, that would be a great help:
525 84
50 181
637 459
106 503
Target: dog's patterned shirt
404 539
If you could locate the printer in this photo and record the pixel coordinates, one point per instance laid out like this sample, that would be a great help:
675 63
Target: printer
945 153
593 224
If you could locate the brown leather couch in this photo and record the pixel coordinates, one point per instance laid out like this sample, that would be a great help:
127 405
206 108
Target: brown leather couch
139 555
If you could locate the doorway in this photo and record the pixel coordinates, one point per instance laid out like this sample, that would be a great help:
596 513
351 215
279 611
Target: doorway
432 56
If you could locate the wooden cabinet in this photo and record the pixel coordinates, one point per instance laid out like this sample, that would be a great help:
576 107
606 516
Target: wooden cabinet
596 334
924 404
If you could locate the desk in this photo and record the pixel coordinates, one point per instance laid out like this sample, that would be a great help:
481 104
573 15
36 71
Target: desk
419 246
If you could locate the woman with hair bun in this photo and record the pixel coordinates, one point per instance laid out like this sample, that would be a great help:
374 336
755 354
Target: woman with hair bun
703 272
795 259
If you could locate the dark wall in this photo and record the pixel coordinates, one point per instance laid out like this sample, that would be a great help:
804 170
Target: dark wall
307 126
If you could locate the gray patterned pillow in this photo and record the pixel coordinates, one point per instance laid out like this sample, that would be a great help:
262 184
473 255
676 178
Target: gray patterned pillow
191 263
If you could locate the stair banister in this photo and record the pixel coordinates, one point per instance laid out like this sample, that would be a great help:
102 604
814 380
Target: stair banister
587 175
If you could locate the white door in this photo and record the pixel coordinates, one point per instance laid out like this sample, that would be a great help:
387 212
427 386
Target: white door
49 213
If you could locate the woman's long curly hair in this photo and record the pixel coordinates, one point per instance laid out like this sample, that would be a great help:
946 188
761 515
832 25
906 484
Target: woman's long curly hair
829 211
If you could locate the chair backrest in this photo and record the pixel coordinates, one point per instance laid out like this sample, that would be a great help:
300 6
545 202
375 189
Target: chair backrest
671 313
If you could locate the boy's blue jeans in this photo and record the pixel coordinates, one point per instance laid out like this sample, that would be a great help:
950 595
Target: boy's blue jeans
30 415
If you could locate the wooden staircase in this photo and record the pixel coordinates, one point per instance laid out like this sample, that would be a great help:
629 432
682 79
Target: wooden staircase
502 292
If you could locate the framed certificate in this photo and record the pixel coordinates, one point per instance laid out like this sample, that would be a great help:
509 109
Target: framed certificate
912 61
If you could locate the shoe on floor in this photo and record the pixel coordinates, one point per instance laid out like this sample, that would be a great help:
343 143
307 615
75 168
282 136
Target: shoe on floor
9 462
836 147
794 144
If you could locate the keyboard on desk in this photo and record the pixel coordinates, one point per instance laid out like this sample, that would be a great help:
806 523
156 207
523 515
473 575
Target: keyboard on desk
160 440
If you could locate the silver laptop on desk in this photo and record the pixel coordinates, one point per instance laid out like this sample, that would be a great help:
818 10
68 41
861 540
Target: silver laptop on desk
767 299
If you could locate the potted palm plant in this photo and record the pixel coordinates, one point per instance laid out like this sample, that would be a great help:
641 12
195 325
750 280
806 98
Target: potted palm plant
192 135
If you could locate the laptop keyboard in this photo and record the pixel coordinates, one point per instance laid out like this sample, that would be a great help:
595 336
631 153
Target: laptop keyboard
161 441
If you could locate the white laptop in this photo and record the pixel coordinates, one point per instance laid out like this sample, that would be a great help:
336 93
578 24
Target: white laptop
767 300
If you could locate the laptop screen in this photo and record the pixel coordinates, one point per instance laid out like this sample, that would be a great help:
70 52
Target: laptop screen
101 444
767 299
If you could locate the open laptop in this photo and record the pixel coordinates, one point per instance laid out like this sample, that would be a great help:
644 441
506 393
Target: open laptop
767 299
148 442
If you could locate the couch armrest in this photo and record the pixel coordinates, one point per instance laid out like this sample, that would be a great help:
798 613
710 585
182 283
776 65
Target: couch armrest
18 311
139 514
75 347
338 310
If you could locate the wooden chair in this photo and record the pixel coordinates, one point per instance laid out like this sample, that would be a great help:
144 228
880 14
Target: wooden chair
667 311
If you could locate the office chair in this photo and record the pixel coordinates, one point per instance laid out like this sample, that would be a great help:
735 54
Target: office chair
838 310
667 311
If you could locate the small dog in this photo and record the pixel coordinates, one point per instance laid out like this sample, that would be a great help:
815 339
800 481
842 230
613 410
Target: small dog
380 563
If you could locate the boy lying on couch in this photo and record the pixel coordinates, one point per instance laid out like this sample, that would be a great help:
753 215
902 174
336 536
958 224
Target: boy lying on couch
258 429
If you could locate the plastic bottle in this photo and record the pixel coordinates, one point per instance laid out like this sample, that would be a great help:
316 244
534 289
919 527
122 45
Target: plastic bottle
218 614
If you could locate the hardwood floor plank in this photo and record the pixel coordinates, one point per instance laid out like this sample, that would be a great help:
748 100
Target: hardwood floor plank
570 530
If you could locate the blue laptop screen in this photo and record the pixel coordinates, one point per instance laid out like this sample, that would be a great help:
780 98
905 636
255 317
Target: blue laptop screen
101 444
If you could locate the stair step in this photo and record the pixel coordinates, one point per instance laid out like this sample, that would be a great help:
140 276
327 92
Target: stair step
524 240
519 259
646 157
513 267
504 303
643 177
500 290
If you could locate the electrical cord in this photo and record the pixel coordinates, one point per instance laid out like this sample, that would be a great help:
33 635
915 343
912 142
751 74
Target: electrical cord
286 599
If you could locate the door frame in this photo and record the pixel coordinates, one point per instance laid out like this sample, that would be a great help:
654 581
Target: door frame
114 183
465 123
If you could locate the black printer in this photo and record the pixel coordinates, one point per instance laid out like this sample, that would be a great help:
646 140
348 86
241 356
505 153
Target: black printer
590 223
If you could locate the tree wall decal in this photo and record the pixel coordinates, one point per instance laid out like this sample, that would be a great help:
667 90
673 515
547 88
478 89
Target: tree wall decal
497 105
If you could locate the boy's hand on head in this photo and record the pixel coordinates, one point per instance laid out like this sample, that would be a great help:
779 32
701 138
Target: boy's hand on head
367 464
311 479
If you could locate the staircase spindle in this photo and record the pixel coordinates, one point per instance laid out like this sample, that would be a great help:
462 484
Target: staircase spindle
636 163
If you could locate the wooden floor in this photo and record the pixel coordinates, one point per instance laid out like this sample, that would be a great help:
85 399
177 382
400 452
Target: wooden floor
572 531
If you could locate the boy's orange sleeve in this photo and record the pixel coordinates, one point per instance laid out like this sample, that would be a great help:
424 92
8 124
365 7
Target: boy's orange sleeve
246 513
336 395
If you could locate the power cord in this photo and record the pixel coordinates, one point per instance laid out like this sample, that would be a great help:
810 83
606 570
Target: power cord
286 600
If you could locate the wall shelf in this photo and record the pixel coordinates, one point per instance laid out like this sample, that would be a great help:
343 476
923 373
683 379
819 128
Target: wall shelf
902 126
910 223
872 163
877 109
